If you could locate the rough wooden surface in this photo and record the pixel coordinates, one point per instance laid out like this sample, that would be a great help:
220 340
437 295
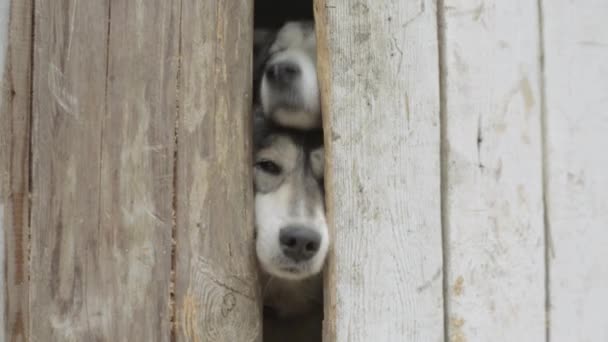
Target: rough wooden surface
576 83
15 116
112 79
493 204
68 108
103 111
216 284
137 168
378 67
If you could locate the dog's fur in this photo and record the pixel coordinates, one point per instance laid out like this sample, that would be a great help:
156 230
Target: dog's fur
295 101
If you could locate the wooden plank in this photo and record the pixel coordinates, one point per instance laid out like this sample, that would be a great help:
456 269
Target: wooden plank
217 296
576 86
493 196
379 78
15 116
104 111
137 159
68 107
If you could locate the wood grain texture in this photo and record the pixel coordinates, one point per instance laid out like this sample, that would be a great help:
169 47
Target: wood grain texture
378 69
104 112
217 296
68 108
15 118
137 167
576 81
493 196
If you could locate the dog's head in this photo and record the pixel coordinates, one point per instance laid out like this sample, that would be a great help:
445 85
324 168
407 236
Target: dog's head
292 237
286 75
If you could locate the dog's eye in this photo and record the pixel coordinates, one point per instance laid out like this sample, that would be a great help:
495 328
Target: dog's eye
268 167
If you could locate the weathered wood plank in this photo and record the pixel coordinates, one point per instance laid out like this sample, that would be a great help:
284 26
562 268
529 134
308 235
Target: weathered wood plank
378 69
576 86
137 165
216 283
104 112
493 196
69 82
15 116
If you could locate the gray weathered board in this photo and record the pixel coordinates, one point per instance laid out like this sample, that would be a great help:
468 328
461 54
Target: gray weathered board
15 118
103 97
110 99
216 280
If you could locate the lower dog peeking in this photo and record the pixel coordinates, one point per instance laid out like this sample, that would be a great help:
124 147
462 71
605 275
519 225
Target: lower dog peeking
292 236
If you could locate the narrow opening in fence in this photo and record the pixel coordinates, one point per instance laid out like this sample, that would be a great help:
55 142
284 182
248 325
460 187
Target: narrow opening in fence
291 231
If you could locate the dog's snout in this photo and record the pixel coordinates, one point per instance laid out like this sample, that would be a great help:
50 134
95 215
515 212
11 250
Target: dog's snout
299 243
282 72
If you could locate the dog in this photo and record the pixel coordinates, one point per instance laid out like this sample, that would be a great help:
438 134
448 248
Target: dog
285 75
292 238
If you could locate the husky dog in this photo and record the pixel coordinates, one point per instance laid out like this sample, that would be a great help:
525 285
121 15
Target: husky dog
292 238
285 75
291 230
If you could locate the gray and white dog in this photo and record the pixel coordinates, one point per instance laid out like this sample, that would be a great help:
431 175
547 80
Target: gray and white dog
292 238
286 75
291 230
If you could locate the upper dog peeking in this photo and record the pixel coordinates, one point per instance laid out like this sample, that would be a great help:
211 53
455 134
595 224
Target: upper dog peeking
285 75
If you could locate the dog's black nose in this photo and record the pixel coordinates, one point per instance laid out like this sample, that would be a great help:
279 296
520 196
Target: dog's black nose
299 243
282 72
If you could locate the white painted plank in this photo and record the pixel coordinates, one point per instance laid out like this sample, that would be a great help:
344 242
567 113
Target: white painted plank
576 79
493 205
378 66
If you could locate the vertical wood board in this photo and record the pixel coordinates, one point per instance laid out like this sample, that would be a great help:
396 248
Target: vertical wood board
493 204
576 82
104 108
69 77
378 69
15 118
137 165
217 296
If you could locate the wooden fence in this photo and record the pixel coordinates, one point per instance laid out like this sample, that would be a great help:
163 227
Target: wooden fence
467 172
